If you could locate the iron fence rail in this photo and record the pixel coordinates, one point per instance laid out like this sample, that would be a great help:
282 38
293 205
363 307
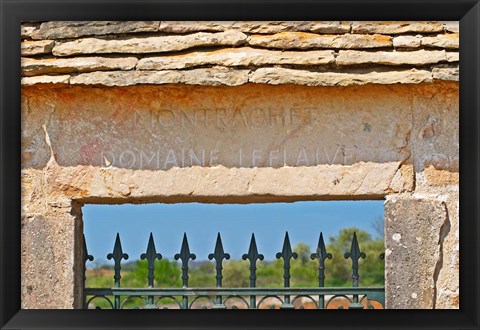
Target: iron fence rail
356 297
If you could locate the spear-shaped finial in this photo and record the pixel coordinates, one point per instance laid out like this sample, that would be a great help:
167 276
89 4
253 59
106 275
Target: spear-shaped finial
253 256
219 255
151 254
286 255
321 254
117 256
355 254
185 255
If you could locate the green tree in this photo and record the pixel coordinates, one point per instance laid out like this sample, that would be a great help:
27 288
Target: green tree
338 271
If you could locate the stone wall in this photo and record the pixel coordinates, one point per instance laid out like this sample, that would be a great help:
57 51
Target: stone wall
242 112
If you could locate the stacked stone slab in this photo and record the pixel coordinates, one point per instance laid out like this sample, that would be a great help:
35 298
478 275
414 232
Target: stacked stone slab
312 53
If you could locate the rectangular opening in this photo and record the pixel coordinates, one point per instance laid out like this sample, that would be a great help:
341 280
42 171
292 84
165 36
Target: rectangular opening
235 223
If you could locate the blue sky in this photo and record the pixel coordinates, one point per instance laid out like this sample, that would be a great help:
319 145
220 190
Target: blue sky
303 220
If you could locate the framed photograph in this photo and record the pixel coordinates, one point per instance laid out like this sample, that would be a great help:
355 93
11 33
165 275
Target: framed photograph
208 161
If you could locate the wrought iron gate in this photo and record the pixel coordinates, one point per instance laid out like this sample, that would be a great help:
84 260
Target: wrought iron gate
251 297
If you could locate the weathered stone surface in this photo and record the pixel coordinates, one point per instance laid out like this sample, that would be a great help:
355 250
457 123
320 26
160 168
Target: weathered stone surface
452 26
413 233
33 67
434 139
446 73
162 127
93 184
36 47
406 42
244 56
453 56
441 178
49 277
255 26
448 41
148 44
27 29
63 79
75 29
396 27
419 57
404 179
277 76
209 77
303 40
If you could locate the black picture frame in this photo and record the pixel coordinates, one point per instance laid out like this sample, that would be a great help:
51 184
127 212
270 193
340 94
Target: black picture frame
14 11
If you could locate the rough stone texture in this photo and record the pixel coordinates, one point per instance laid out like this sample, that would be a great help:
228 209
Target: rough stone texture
448 41
244 56
148 44
303 40
27 29
453 56
396 27
37 47
417 58
404 179
255 26
208 77
89 184
51 254
452 26
440 178
64 79
248 126
74 29
413 239
406 42
33 67
446 73
277 76
434 139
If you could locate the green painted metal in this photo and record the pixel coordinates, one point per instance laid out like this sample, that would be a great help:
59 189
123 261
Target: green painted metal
185 256
286 255
253 256
321 254
219 255
151 254
117 297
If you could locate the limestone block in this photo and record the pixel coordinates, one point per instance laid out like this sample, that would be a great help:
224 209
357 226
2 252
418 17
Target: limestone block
446 73
63 79
434 138
34 67
266 27
303 40
27 29
406 42
453 56
449 41
243 56
75 29
50 250
414 231
163 127
419 57
276 76
208 77
452 26
261 184
396 27
36 47
148 44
